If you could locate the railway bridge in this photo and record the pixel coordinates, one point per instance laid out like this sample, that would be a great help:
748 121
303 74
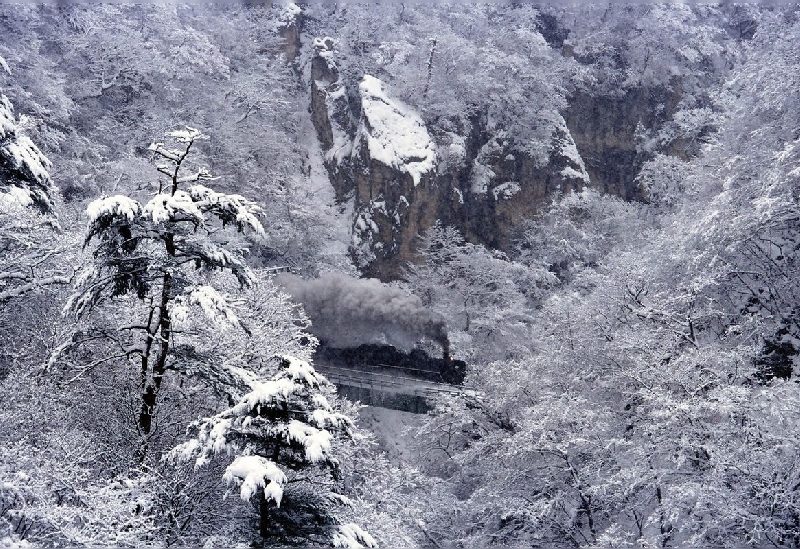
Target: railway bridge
385 385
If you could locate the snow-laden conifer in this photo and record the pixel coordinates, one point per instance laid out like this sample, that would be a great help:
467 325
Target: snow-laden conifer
164 252
281 432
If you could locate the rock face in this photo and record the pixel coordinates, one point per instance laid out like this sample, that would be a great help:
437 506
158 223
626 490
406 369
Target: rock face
604 128
393 172
331 116
401 179
384 161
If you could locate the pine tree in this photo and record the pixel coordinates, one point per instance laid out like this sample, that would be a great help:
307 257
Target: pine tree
281 435
164 253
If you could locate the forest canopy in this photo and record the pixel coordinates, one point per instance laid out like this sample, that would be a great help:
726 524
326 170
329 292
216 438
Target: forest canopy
575 229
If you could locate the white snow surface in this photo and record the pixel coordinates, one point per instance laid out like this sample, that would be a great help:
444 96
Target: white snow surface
568 149
317 442
13 198
254 472
117 205
4 65
352 536
165 207
395 133
25 156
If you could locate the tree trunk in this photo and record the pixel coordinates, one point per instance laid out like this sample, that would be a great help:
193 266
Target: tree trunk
152 384
264 522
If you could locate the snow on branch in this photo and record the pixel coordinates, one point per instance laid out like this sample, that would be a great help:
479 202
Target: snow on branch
25 157
299 370
211 256
352 536
202 174
254 472
214 305
113 206
32 285
7 123
187 136
171 154
28 167
317 442
229 208
167 207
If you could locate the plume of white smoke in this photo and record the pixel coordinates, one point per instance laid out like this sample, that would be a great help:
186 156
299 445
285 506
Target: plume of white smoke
347 312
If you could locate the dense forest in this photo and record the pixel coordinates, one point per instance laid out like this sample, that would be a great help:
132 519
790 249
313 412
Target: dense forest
578 224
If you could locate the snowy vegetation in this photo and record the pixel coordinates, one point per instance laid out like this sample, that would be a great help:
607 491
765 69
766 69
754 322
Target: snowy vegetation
632 342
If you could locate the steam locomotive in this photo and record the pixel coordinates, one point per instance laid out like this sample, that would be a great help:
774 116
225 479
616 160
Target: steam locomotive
417 363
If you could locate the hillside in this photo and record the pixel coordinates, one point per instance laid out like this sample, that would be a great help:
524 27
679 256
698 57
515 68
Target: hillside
593 208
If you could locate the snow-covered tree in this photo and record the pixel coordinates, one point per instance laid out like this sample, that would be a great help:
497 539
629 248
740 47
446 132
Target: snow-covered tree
483 294
282 436
24 174
27 236
163 253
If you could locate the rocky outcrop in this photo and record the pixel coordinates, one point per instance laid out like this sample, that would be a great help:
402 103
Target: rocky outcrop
498 187
394 160
332 118
383 161
401 178
608 130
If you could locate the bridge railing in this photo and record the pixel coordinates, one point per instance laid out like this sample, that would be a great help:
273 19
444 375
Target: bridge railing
381 381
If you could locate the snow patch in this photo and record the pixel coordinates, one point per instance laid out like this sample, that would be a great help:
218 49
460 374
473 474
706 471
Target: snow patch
396 135
481 177
352 536
288 13
117 205
254 472
567 149
571 173
506 190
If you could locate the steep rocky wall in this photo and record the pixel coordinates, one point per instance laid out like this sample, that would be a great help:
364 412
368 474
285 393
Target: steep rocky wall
604 128
482 181
332 119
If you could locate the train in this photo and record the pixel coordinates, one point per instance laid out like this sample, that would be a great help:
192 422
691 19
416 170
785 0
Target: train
416 363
